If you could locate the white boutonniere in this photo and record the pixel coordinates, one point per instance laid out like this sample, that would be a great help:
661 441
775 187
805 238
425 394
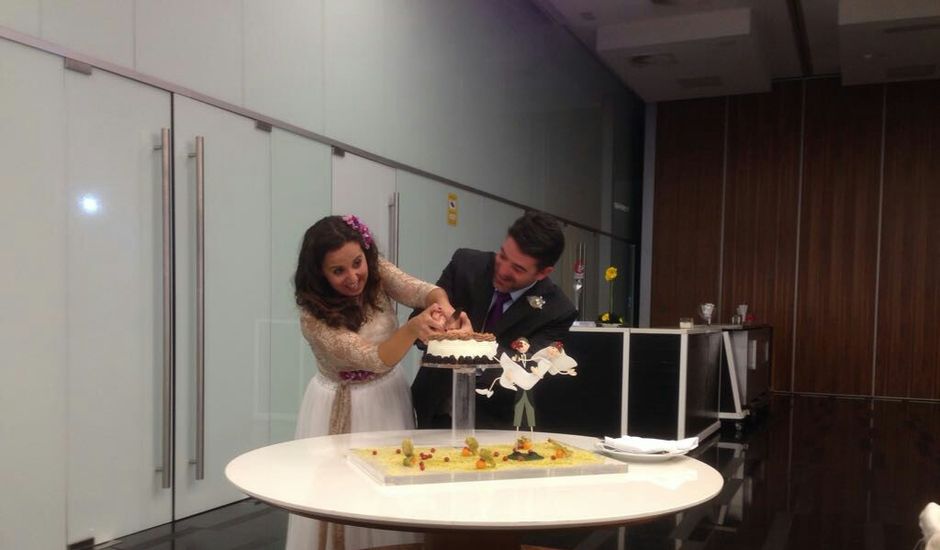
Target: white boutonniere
536 301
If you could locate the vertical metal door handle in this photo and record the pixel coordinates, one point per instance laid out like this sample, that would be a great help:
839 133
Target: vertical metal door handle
393 219
393 215
169 321
200 309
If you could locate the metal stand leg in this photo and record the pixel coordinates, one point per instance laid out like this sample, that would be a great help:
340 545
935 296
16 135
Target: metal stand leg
463 405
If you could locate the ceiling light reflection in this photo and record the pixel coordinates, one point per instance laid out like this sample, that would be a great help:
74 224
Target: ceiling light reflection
90 204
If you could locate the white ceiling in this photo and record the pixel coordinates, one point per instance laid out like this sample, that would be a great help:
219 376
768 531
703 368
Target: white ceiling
676 49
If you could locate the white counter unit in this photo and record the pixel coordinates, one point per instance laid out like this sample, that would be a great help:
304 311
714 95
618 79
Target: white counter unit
650 382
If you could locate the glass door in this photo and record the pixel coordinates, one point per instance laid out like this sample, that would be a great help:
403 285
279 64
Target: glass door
223 301
300 195
117 406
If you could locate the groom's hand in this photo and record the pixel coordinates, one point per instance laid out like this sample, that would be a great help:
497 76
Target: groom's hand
459 322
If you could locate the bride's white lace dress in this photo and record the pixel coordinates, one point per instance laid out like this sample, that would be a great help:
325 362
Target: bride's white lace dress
378 397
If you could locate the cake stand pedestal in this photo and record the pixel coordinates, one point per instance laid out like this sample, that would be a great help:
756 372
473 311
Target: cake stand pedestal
463 399
463 405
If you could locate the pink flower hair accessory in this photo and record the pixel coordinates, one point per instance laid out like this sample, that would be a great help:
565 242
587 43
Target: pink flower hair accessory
361 228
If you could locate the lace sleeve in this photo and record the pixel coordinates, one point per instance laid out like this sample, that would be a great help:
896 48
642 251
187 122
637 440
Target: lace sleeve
340 349
404 288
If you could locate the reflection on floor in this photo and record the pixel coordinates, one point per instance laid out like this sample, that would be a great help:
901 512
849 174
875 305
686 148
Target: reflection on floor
809 472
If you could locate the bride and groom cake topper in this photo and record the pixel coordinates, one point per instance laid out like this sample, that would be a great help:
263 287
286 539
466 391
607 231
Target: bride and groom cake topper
521 372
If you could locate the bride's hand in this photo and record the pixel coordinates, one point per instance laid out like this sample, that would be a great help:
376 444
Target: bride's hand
428 322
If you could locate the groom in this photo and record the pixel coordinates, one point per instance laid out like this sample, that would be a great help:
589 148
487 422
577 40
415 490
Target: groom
509 294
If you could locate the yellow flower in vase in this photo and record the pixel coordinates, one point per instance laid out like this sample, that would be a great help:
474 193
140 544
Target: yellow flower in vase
610 316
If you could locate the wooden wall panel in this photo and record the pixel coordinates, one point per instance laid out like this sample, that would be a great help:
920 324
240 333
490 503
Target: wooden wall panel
838 238
761 196
687 208
908 351
841 197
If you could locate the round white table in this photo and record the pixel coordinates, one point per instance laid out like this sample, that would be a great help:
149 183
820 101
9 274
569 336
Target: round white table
313 478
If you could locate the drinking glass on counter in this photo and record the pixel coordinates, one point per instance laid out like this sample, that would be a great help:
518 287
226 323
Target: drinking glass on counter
706 311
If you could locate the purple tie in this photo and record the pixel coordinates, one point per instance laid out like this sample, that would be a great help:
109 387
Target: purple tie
496 310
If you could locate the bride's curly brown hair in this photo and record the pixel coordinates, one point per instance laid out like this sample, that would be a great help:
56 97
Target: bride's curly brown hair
315 294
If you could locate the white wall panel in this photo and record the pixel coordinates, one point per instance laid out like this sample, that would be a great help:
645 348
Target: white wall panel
284 60
103 28
20 15
193 44
357 107
33 296
300 195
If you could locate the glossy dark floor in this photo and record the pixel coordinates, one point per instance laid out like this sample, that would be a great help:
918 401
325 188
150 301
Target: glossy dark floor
809 472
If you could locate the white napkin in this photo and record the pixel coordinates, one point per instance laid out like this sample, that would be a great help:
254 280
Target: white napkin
647 445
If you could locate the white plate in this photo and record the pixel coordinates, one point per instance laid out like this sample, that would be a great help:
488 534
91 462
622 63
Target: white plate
639 457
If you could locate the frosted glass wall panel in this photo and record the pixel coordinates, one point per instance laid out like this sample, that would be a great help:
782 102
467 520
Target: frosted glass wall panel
625 255
627 139
284 60
356 103
621 255
487 93
115 306
364 188
429 101
461 96
573 167
427 242
22 16
564 270
237 301
103 29
300 195
193 44
33 280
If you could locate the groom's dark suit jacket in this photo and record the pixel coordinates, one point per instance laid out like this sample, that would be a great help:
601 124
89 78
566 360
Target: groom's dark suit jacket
468 280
